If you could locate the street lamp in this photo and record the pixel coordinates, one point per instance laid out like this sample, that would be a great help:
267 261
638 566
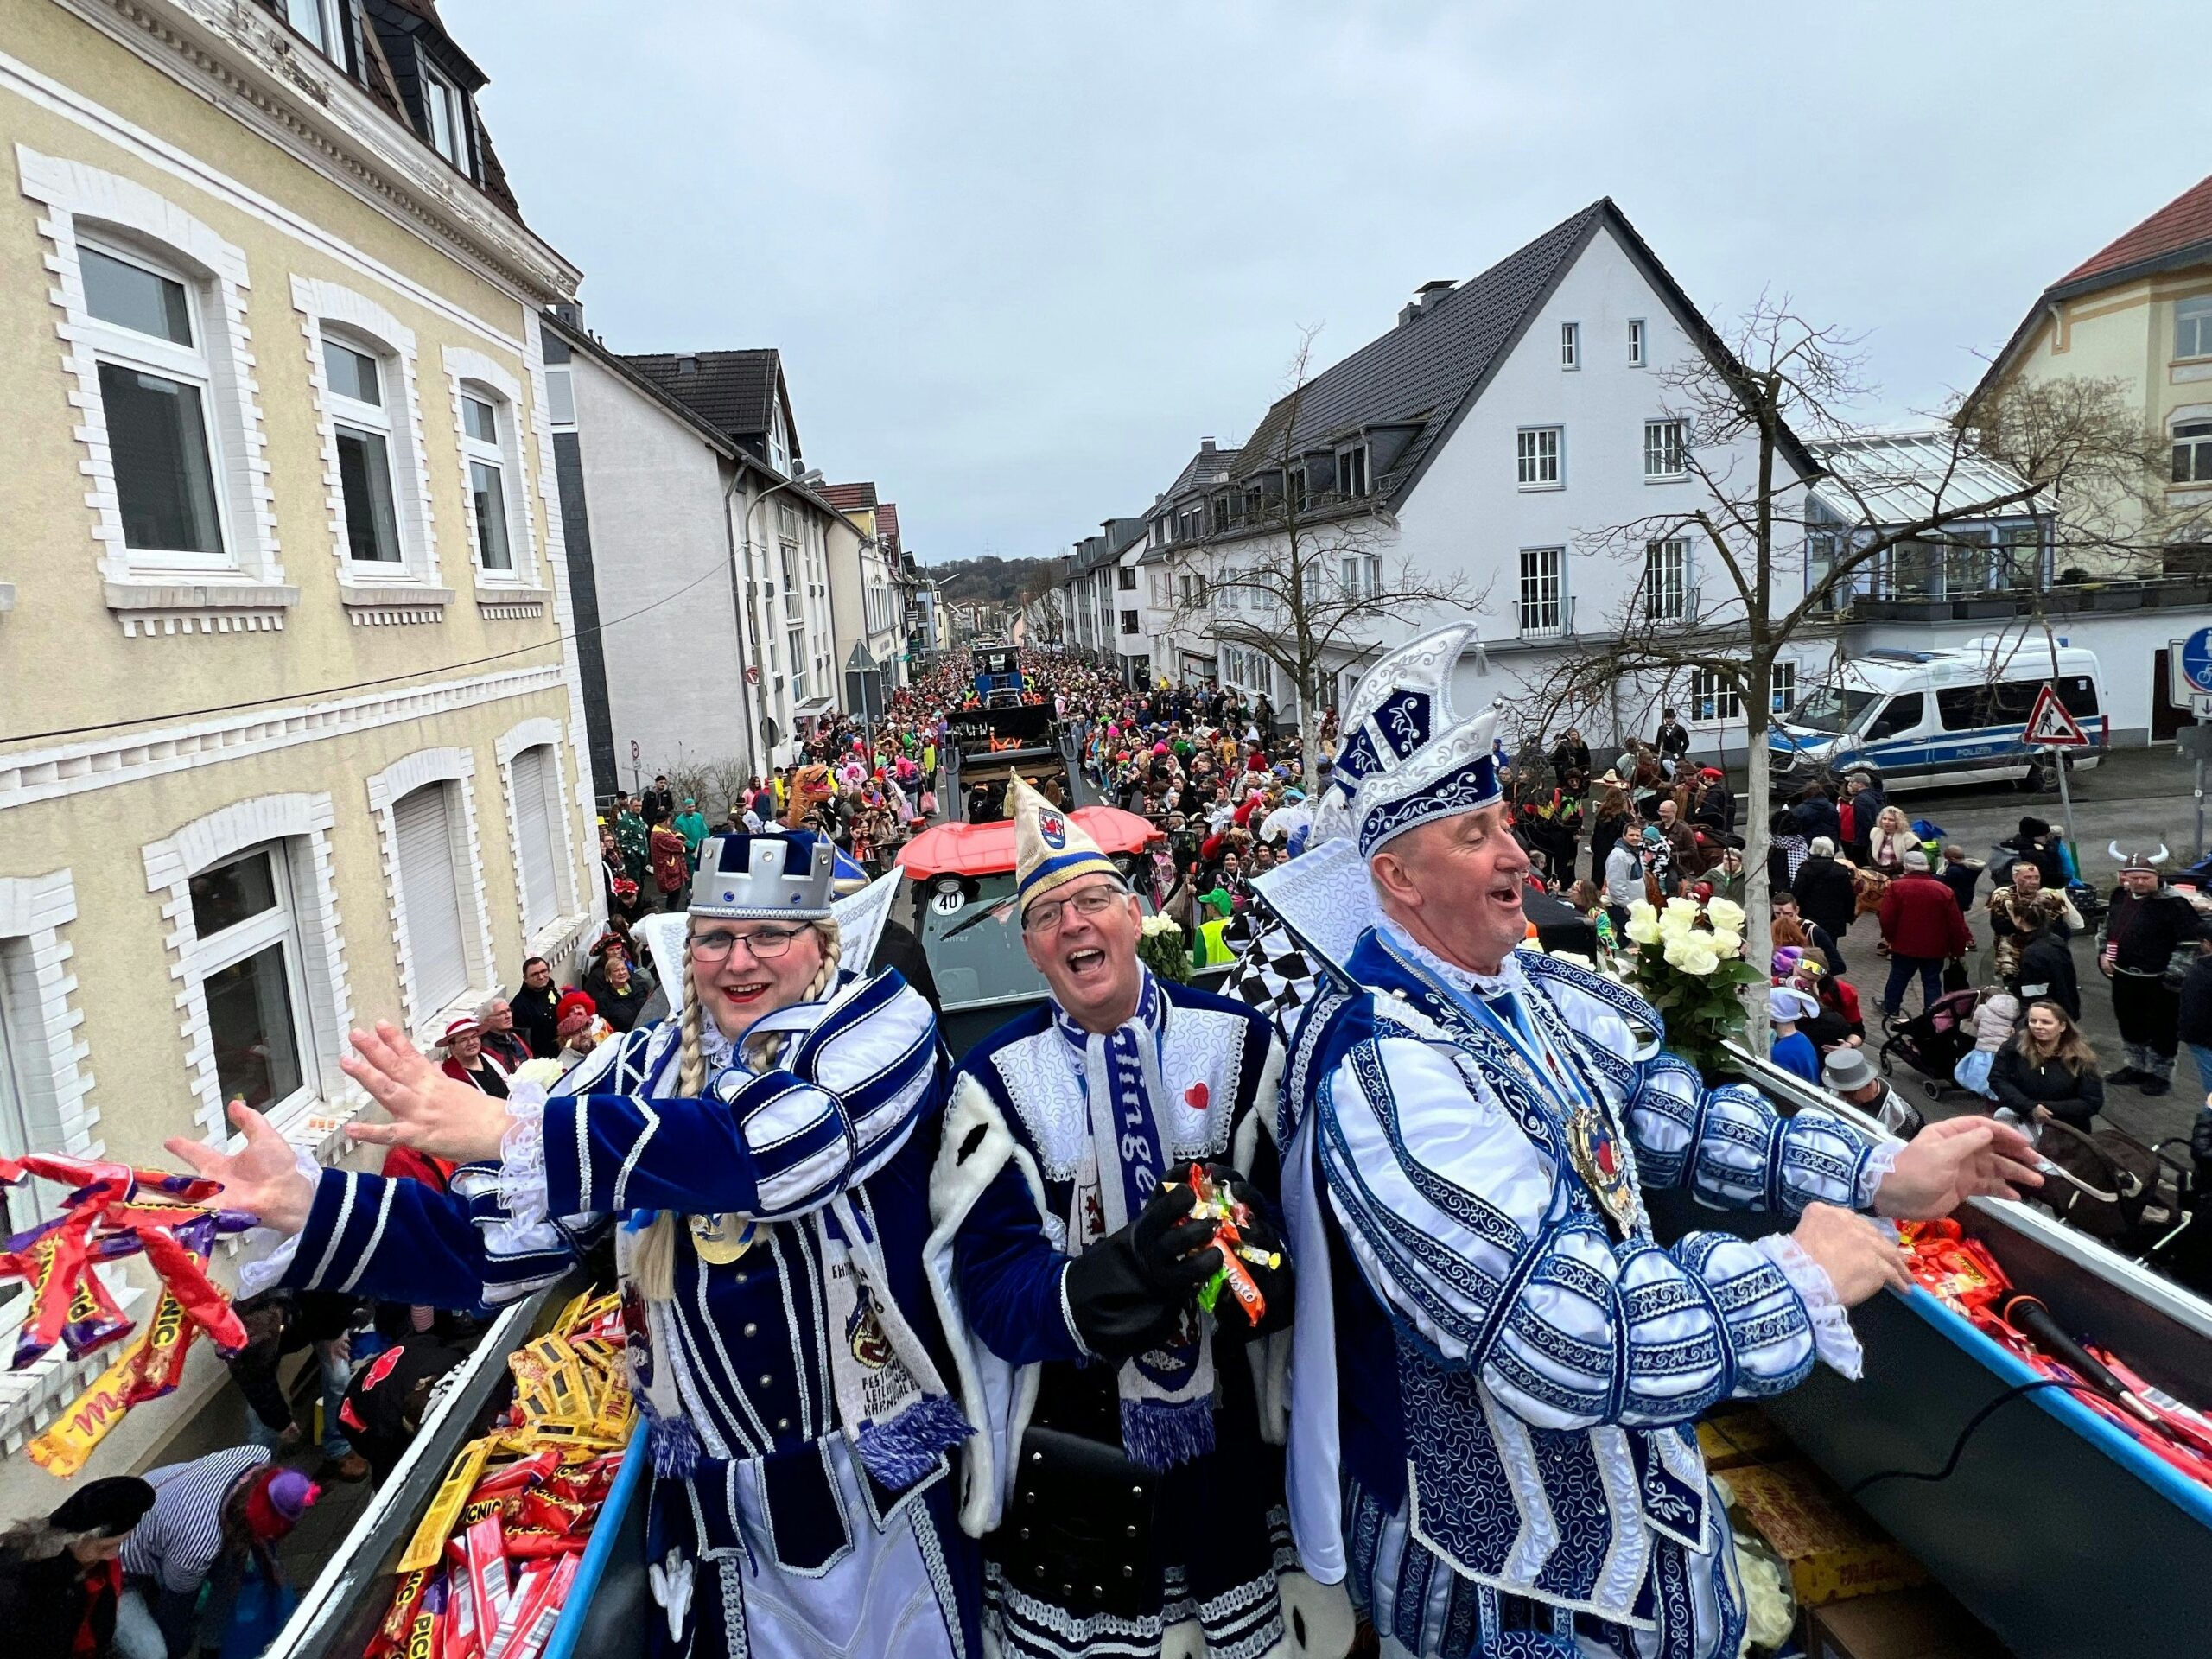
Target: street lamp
807 480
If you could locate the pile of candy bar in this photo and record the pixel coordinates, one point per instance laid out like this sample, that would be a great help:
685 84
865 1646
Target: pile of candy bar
491 1564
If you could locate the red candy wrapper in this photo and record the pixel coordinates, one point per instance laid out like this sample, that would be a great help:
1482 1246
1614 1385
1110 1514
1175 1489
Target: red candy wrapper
185 1272
539 1630
488 1588
1217 1206
93 1320
50 1266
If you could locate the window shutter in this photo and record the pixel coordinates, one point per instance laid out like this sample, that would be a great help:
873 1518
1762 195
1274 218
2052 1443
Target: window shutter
534 832
431 898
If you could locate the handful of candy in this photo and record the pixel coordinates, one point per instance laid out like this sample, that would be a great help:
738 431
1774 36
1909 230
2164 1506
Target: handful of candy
113 1211
1231 1216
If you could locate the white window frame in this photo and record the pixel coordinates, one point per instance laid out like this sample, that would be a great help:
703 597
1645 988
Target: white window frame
2192 435
1637 350
1666 593
330 311
456 767
329 34
296 827
1570 347
277 926
1782 687
41 1051
1666 440
1354 458
570 904
471 374
1718 693
129 221
2193 319
1539 614
441 95
1533 455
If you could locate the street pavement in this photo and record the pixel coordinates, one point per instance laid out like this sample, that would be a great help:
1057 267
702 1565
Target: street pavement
2134 795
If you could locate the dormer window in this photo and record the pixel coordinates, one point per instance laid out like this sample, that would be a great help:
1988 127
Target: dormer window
445 118
1351 472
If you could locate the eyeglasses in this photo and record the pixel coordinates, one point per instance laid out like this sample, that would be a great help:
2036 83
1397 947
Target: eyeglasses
1091 903
765 944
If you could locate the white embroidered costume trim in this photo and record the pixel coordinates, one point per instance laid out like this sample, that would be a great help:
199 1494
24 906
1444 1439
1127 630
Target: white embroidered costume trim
1871 1173
1834 1339
521 1156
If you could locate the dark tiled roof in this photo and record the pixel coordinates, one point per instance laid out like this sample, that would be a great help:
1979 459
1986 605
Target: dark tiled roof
886 526
734 390
1420 372
850 498
1423 375
1207 466
2183 226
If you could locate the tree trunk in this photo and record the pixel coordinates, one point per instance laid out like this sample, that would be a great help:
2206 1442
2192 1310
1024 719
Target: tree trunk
1758 903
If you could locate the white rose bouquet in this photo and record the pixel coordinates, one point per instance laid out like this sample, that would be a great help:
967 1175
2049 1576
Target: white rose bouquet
1161 948
1687 961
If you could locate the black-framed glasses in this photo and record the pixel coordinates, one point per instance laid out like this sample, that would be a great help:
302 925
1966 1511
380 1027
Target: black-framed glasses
765 944
1091 903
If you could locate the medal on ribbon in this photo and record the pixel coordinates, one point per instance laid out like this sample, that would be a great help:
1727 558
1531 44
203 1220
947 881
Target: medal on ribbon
1602 1162
723 1239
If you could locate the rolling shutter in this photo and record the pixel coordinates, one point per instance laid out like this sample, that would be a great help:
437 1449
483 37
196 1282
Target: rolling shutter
431 898
541 882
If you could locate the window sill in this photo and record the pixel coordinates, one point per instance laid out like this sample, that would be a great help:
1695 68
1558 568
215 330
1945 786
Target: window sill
393 604
317 1127
184 604
1539 489
33 1398
515 603
1666 477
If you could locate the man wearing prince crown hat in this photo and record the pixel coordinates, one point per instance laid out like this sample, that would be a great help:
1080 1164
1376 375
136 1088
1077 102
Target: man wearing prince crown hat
766 1151
1498 1369
1122 1478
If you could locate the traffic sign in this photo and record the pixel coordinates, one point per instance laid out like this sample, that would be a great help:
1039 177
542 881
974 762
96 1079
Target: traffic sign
2049 727
2192 665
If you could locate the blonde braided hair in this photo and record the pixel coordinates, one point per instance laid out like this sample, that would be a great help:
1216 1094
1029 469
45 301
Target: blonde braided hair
653 1253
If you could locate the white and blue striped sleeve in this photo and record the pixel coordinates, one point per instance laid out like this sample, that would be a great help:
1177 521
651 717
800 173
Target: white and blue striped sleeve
771 1145
1459 1223
1733 1150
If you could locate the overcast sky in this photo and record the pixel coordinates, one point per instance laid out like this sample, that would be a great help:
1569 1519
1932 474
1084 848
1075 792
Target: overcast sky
1020 257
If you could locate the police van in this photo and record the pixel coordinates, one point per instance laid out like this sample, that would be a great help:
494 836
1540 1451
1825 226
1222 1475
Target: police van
1935 719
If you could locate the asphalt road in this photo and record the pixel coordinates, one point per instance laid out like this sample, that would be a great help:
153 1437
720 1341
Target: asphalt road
2134 795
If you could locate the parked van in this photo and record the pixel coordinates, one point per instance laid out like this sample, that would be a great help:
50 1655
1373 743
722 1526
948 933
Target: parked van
1933 719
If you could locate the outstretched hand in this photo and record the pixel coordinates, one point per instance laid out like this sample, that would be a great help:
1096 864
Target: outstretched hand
430 1111
263 1177
1948 1163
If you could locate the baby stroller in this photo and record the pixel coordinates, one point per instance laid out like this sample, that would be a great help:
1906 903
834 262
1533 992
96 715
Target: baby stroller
2138 1199
1934 1041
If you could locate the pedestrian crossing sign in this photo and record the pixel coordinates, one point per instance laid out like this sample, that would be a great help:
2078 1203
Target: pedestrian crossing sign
2049 727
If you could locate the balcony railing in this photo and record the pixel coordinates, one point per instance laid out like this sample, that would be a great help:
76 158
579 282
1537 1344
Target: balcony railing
2117 593
1550 620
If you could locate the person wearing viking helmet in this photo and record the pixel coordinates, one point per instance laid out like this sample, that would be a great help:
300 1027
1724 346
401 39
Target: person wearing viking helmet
767 1151
2146 923
1498 1369
1125 1478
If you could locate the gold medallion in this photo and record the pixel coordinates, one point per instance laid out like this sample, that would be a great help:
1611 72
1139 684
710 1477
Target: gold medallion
723 1239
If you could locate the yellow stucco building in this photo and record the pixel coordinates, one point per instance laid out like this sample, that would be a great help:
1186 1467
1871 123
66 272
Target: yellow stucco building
2139 312
289 739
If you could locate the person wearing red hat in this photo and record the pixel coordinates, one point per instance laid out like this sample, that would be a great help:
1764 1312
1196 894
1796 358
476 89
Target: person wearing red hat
466 1060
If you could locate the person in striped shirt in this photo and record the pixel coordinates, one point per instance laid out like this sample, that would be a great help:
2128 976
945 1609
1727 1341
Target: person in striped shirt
210 1517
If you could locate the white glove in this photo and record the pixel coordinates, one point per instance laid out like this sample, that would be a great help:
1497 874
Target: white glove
671 1584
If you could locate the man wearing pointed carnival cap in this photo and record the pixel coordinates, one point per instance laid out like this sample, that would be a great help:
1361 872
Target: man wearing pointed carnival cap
1123 1477
1498 1369
766 1151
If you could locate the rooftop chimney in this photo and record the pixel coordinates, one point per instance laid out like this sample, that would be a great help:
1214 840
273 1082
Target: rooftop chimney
1205 445
687 365
1425 296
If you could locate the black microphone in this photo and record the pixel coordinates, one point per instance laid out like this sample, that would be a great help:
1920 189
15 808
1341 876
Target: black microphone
2028 1316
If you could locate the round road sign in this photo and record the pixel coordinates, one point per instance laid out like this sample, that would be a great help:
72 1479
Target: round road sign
2196 660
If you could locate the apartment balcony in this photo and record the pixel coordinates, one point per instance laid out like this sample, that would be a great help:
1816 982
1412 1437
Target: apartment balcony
2061 599
1546 620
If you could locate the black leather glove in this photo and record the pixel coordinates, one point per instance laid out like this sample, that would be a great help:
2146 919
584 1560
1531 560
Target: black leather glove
1131 1289
1278 1285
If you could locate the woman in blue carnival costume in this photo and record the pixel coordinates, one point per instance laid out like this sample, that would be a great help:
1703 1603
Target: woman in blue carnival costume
1498 1369
766 1155
1127 1476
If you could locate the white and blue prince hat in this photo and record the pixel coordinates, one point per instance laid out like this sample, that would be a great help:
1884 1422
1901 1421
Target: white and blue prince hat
765 878
1406 757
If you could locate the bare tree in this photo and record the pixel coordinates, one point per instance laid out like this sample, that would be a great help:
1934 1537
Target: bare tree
1301 572
1778 570
1045 614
